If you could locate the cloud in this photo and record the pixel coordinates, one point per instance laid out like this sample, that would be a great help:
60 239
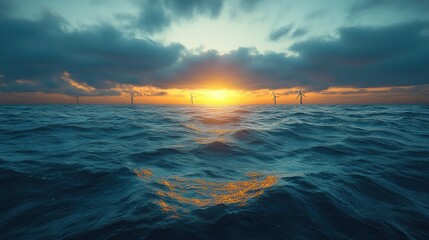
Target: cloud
99 56
365 56
299 32
5 7
153 93
389 56
287 31
190 8
315 14
413 94
281 32
46 55
157 15
248 5
152 17
365 5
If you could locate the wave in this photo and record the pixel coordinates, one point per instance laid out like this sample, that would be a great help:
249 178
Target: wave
257 172
241 111
47 128
219 120
161 152
219 147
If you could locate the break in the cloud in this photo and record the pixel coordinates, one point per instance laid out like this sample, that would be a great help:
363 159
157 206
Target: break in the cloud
49 55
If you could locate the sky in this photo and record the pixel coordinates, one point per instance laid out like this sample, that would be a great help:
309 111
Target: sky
223 51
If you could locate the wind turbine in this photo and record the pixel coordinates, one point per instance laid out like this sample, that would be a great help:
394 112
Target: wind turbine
191 99
275 98
77 99
300 94
132 97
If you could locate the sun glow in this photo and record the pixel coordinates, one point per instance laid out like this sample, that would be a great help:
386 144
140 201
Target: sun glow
216 97
221 97
218 94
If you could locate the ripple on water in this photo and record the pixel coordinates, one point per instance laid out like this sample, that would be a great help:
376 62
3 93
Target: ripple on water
187 172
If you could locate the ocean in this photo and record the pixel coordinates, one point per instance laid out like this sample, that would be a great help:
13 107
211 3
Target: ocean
214 172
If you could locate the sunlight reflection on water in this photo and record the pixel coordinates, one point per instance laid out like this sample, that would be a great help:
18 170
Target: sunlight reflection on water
177 192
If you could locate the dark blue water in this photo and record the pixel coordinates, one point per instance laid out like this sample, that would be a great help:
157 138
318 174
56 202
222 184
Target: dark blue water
191 172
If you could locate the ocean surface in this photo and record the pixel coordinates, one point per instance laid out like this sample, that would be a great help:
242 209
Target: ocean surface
214 172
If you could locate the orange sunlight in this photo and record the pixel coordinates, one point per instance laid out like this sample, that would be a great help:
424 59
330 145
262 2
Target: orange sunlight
152 95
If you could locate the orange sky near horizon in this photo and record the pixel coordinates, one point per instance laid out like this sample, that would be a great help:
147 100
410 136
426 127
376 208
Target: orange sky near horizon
150 95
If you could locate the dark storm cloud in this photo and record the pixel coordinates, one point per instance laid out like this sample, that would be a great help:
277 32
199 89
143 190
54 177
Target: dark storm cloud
152 17
361 57
249 69
281 32
156 15
368 57
45 55
35 55
5 7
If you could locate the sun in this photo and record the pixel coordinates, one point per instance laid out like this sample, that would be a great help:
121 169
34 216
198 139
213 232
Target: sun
217 94
215 97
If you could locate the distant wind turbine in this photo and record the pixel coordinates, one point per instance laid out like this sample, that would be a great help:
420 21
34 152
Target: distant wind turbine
132 97
77 99
300 94
275 98
191 99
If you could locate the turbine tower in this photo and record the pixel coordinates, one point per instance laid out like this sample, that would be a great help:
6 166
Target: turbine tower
132 98
191 99
77 99
275 98
300 94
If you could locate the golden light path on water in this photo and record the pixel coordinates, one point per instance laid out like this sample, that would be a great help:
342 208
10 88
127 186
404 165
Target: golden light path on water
178 195
202 193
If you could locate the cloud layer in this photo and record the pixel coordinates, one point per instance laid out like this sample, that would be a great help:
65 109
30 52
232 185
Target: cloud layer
35 54
47 55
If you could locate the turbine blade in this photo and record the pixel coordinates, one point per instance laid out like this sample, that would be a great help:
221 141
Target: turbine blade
297 96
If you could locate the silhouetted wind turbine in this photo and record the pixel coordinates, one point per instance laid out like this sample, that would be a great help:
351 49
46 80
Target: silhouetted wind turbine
275 98
300 94
191 99
77 99
132 98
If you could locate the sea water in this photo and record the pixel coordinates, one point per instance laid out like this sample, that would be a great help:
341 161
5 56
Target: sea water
216 172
